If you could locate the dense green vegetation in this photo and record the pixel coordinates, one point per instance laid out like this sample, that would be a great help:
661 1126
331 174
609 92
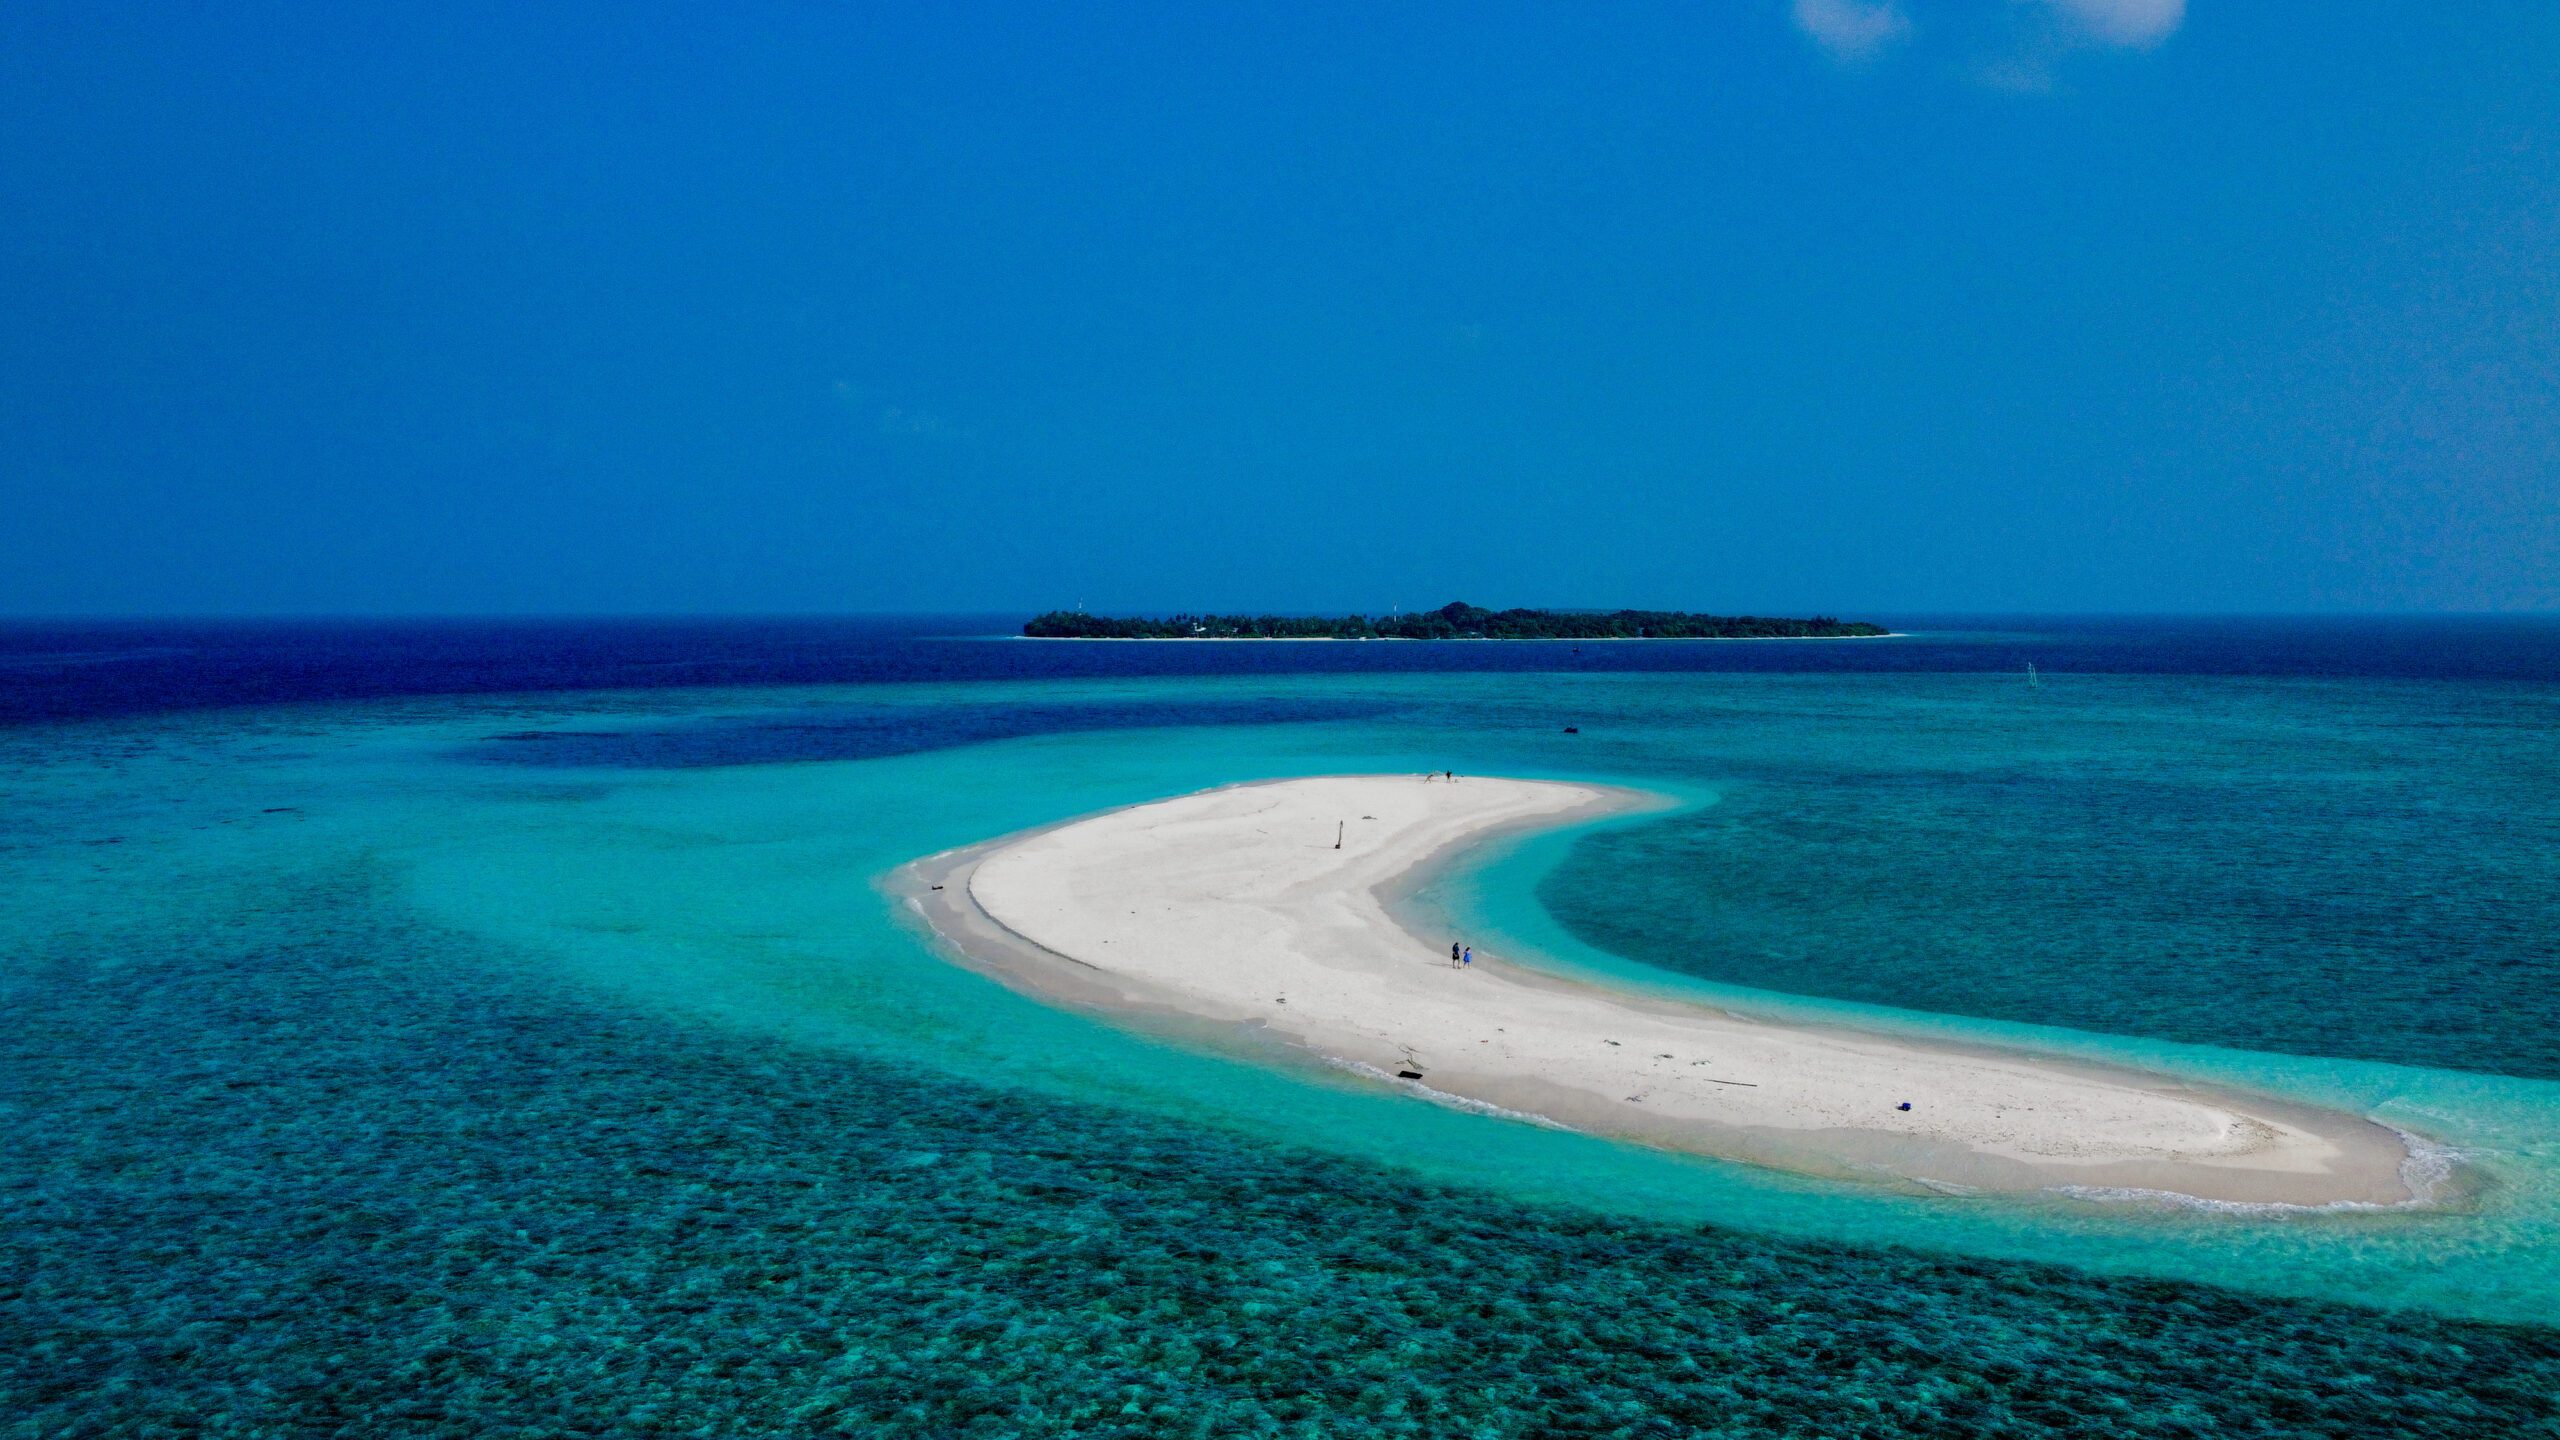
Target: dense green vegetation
1454 621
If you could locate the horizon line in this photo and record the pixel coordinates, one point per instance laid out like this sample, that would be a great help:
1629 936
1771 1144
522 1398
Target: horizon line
35 617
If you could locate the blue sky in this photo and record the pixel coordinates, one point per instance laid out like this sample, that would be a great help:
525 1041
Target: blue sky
1813 304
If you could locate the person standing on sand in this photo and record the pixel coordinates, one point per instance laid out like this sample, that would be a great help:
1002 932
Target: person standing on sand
1467 957
1453 954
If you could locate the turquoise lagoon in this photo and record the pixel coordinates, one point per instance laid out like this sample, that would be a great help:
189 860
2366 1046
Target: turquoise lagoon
546 1060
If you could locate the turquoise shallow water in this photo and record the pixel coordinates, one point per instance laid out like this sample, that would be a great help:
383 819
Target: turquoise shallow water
363 1070
2367 869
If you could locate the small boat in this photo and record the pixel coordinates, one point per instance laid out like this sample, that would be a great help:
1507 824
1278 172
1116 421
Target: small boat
1573 729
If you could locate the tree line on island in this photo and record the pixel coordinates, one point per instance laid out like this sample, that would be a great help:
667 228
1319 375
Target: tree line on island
1455 621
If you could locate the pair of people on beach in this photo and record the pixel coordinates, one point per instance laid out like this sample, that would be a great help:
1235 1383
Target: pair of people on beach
1461 956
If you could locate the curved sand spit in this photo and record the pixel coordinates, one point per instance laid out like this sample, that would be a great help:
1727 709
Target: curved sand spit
1234 907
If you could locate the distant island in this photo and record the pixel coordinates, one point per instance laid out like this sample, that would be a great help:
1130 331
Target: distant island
1454 621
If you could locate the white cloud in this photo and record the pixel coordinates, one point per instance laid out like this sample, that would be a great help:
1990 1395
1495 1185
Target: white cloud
2019 44
1852 29
2136 24
2037 51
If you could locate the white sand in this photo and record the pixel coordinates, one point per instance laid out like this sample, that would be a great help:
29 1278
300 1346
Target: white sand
1234 906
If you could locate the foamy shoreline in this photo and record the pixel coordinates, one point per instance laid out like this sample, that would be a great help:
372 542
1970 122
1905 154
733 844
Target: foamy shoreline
1230 915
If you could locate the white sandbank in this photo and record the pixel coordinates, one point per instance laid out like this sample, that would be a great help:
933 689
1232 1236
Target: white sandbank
1233 913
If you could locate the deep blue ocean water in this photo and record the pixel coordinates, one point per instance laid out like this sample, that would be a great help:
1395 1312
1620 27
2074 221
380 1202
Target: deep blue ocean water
465 1028
88 669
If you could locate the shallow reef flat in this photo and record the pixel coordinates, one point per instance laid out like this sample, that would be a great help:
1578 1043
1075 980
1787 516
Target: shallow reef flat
311 1165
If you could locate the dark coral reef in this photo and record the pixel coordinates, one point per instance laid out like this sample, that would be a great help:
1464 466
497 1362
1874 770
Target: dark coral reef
309 1169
